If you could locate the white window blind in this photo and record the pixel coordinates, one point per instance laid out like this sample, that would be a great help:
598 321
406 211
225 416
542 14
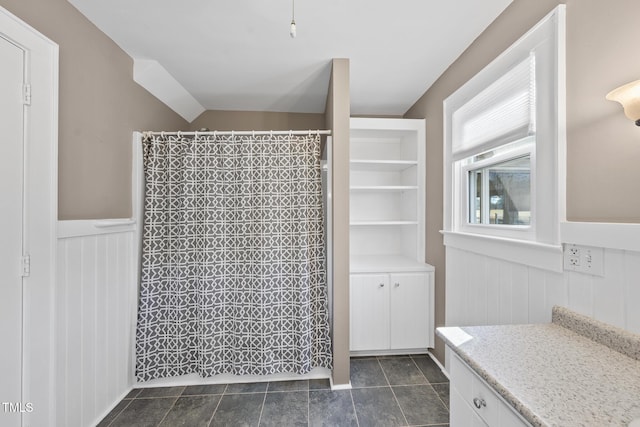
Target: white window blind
504 111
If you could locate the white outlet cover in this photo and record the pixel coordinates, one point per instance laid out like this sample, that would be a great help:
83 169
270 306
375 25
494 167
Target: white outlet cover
584 259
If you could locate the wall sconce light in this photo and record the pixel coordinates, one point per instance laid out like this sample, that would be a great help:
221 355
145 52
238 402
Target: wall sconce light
629 97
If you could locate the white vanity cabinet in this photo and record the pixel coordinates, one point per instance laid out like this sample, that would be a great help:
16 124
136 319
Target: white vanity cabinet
391 312
473 403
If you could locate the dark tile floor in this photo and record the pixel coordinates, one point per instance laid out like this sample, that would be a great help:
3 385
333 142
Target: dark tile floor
386 391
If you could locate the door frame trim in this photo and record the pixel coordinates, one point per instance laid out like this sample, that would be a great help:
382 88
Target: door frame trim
40 217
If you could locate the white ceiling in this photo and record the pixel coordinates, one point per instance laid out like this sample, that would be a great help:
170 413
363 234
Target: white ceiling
238 55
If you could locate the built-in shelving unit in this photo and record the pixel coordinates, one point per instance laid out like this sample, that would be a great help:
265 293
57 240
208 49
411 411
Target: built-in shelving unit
391 287
386 191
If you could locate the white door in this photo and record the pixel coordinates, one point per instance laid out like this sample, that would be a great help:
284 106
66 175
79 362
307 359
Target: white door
409 310
369 312
11 231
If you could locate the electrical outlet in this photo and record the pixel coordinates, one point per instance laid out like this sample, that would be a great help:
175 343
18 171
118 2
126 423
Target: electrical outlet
584 259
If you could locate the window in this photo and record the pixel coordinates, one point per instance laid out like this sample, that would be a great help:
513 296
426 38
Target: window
499 189
504 147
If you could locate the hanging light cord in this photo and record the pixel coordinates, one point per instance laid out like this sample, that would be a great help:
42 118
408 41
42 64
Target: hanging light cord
292 28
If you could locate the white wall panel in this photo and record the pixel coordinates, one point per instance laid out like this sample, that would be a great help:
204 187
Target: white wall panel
96 299
477 287
519 294
493 291
556 293
537 296
632 291
455 295
580 293
608 291
483 290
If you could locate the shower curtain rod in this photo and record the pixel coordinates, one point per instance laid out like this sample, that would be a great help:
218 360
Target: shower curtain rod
242 132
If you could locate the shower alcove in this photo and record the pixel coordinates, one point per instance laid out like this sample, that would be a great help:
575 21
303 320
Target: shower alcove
264 139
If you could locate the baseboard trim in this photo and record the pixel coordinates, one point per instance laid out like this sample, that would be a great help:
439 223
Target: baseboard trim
437 362
335 387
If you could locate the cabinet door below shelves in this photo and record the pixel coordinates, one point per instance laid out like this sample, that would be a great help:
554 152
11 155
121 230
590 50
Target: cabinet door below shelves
369 312
409 310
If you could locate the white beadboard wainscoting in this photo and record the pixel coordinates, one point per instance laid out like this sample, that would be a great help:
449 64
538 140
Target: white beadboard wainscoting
95 300
484 289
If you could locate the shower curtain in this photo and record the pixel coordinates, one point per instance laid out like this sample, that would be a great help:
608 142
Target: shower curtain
233 257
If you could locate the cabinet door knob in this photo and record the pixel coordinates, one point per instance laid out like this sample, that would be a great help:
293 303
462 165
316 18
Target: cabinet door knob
397 285
479 403
381 285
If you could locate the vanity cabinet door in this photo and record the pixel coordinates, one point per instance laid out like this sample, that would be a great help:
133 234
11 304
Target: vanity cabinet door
461 414
475 403
369 312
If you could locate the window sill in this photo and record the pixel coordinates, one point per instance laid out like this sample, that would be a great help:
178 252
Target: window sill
533 254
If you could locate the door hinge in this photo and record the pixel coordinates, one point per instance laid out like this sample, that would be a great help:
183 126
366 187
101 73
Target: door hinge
26 265
27 94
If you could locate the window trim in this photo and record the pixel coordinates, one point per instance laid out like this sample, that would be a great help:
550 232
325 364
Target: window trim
547 40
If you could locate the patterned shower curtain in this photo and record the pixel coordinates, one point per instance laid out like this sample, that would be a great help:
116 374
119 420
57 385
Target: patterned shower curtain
233 257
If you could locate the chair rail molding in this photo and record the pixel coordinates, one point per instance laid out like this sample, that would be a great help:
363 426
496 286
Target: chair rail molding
623 236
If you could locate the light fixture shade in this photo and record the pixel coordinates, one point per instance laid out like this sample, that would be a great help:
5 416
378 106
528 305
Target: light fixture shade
629 97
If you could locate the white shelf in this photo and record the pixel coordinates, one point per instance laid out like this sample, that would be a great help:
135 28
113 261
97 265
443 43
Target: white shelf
387 193
382 165
378 223
378 188
386 263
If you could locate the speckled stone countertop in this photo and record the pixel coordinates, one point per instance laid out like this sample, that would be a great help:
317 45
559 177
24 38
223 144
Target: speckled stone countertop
574 371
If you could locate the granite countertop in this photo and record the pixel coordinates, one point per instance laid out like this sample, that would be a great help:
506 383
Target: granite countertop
574 371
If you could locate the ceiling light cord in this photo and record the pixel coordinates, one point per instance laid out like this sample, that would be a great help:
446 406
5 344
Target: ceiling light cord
292 28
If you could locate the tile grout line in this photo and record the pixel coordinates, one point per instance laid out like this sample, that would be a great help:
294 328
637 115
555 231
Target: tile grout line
308 405
353 404
217 406
446 406
399 406
163 397
264 399
167 413
432 387
406 422
420 370
119 413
